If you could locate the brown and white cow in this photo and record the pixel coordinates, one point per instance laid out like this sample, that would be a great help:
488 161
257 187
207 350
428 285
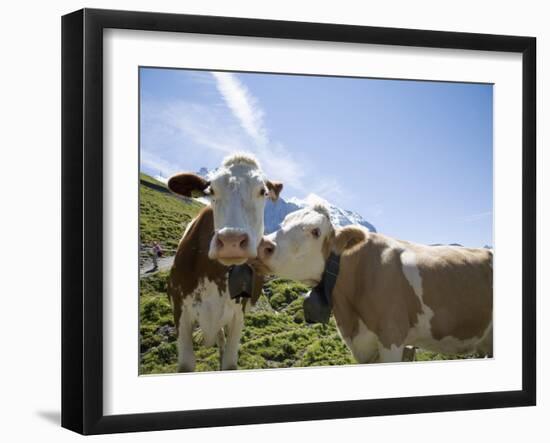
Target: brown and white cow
225 233
389 293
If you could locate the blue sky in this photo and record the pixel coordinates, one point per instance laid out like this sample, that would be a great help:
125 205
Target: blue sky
414 158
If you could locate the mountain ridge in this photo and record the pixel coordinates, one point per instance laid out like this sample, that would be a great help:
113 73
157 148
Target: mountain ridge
276 211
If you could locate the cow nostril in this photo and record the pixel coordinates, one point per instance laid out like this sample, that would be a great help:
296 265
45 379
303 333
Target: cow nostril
232 242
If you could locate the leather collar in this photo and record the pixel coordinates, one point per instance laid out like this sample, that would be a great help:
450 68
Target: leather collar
328 280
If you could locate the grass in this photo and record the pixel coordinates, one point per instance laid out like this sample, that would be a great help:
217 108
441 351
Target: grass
144 178
275 334
163 216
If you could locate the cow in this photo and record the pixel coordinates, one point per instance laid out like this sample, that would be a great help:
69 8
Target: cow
389 294
224 234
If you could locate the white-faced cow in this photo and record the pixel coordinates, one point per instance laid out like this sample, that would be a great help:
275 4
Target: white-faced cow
225 233
389 293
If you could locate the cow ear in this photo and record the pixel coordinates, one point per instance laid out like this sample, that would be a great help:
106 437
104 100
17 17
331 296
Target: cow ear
187 184
274 188
348 237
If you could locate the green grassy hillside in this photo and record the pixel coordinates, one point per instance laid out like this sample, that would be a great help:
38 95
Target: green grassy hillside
163 216
275 335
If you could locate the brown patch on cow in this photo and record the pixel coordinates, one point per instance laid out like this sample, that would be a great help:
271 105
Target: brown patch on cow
371 287
257 289
192 264
457 284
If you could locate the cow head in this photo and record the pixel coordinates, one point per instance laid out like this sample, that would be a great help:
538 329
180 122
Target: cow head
300 248
237 192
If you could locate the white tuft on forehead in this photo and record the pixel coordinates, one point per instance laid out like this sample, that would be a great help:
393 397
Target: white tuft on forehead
322 209
241 158
239 164
310 215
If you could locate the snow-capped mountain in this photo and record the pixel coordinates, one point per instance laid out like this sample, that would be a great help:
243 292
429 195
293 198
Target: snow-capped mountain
276 211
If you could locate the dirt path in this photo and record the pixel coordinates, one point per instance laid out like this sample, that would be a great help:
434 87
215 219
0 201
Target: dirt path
164 263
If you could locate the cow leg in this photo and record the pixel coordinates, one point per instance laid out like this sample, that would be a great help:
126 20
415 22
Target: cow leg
186 355
391 354
395 330
234 330
221 345
485 346
362 354
409 353
364 345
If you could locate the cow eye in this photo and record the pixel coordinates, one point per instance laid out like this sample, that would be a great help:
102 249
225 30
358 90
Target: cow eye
263 192
316 232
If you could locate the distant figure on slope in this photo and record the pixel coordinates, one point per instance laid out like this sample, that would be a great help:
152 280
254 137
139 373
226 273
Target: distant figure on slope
156 252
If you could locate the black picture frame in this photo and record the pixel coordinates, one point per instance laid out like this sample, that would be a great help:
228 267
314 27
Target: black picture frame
82 218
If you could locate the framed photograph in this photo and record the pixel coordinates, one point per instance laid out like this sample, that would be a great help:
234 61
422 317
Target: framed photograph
269 221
